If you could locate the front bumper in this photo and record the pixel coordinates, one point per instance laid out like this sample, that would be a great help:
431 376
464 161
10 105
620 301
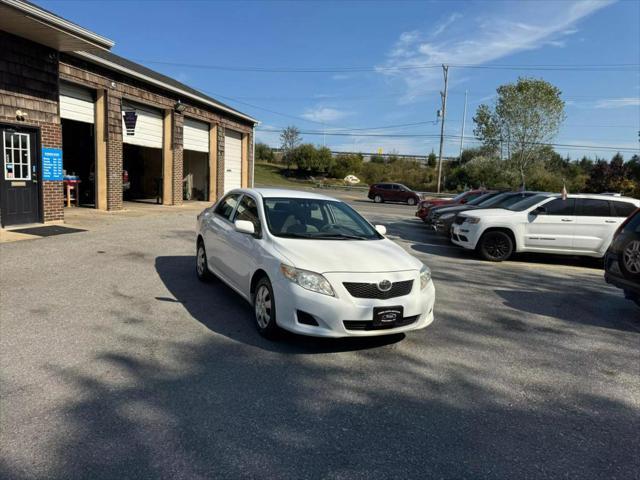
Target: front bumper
331 313
464 235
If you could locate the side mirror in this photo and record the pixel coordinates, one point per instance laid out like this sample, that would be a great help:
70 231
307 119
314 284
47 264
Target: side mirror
539 211
245 226
381 229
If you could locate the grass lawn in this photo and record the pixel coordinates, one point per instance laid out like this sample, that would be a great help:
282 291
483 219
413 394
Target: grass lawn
268 175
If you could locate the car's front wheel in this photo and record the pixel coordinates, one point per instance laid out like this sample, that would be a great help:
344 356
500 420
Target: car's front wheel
264 309
378 199
202 268
411 201
495 246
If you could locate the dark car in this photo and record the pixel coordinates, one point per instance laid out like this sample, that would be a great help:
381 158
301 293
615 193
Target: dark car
444 218
460 199
622 260
392 192
436 211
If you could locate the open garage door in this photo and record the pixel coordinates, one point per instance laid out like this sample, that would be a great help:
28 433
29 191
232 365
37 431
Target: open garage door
76 103
232 160
195 160
146 129
77 114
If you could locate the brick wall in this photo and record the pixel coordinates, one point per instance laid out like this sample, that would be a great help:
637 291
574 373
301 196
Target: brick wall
29 83
178 172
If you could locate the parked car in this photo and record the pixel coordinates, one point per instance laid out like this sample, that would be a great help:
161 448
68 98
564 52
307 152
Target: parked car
312 265
392 192
434 212
622 261
445 217
465 197
578 225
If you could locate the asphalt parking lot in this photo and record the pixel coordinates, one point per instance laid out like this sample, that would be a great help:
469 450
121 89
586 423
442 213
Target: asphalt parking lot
117 363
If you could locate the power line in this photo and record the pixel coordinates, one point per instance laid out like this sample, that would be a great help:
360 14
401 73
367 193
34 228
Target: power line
611 67
449 136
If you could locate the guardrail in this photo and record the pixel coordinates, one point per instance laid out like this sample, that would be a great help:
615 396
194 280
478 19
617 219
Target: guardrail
357 188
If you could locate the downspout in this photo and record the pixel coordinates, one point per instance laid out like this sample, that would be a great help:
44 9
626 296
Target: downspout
253 154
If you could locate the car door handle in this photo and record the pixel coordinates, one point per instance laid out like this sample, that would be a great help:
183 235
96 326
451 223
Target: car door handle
610 221
567 220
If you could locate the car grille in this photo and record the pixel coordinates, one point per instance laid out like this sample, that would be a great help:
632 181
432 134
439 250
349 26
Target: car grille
370 290
366 326
459 220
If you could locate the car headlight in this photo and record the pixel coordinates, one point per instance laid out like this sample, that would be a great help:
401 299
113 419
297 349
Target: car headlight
447 216
472 219
308 280
425 277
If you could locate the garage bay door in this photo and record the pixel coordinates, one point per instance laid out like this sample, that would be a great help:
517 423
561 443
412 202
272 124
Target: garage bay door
195 135
232 160
147 131
76 103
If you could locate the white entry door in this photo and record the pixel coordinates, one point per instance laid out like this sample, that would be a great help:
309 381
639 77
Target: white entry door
232 160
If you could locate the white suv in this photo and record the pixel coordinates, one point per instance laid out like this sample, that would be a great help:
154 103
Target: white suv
546 223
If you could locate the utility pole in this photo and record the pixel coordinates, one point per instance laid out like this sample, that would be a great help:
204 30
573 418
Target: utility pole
464 118
443 97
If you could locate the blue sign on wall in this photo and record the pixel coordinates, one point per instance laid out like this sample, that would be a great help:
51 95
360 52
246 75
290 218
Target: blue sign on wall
52 164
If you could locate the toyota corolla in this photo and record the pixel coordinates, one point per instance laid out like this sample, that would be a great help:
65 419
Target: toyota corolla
312 265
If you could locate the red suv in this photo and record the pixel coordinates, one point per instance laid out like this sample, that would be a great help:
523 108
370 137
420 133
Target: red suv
460 199
392 192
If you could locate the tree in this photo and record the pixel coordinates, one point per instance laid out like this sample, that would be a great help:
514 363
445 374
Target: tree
289 141
432 159
305 157
264 153
346 164
526 116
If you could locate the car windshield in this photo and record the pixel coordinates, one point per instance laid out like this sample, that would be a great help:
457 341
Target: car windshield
481 198
460 196
316 219
526 203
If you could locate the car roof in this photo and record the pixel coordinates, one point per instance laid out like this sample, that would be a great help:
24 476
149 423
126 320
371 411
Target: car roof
285 193
598 196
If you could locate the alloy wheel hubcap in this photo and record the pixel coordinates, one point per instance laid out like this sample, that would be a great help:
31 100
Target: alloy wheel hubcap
631 257
497 247
263 306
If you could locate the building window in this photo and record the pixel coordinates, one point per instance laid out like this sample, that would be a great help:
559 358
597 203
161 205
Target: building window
17 156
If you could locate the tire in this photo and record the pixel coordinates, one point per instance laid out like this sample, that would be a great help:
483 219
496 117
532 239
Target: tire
629 259
411 201
264 309
378 199
495 246
202 268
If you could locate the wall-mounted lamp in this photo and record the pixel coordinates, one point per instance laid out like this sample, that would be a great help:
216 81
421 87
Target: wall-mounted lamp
20 115
113 84
179 107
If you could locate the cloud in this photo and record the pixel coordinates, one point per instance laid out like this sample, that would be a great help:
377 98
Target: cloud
324 114
618 102
506 30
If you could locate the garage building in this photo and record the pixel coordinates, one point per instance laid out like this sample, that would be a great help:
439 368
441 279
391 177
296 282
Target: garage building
74 113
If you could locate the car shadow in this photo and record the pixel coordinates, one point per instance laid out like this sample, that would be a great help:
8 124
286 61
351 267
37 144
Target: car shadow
221 310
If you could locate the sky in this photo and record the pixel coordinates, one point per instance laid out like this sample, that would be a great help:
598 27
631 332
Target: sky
369 70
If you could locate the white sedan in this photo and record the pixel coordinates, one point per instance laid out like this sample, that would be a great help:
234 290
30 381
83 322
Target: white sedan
312 265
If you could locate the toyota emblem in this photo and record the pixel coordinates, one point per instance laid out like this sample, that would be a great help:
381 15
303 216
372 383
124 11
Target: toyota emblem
384 286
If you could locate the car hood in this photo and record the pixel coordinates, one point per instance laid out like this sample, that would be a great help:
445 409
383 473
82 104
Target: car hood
324 256
489 212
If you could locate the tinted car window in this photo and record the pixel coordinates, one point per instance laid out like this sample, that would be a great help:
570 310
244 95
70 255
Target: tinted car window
248 210
522 205
592 207
473 196
560 206
623 209
634 224
226 206
504 200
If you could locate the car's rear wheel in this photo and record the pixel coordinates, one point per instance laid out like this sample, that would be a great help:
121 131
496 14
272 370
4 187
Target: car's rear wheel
495 246
630 259
411 201
264 309
378 199
202 268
